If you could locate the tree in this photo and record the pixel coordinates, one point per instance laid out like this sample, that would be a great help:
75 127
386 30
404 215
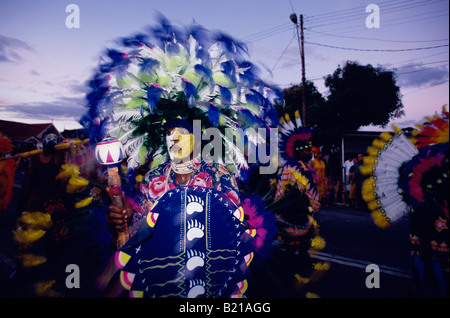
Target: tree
359 96
293 101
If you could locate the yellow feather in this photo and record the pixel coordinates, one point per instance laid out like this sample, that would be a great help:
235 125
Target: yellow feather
287 117
44 289
302 280
397 130
380 219
367 190
372 151
322 266
385 136
32 260
366 170
84 202
377 143
373 205
369 160
36 219
318 243
28 236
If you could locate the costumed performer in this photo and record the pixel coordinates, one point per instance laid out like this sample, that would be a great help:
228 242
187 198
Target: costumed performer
295 202
409 177
188 233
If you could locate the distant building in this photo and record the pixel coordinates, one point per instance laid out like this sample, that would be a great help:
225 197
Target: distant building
355 142
27 136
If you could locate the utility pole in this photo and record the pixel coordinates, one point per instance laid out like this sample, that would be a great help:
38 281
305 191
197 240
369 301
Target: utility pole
303 71
300 38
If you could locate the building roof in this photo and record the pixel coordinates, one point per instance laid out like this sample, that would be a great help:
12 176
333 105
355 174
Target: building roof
26 132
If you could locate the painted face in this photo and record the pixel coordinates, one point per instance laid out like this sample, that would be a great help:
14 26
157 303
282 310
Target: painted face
180 143
302 151
50 141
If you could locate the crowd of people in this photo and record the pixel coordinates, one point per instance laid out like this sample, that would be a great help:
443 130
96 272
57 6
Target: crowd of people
337 190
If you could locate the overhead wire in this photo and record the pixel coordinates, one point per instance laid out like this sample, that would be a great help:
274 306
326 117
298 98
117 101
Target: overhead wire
346 15
360 11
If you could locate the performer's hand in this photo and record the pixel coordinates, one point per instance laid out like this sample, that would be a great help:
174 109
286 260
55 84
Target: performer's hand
119 216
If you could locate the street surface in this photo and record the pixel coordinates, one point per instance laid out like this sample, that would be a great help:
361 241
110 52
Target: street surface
353 242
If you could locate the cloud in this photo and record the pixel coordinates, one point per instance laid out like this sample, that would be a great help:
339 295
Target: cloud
420 75
11 49
61 109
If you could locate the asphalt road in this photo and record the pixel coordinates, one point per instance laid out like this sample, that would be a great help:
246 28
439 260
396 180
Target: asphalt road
353 242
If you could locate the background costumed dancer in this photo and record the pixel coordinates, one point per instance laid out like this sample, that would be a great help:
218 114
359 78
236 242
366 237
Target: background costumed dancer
293 198
409 177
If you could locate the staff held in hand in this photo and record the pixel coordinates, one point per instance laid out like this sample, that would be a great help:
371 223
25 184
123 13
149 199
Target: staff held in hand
109 152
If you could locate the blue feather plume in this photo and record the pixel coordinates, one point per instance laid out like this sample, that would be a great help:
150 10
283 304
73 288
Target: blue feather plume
205 72
137 41
120 62
213 115
229 70
154 93
230 45
190 91
226 96
148 65
255 98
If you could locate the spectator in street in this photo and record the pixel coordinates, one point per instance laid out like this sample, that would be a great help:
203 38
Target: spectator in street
339 194
319 167
358 179
347 165
352 184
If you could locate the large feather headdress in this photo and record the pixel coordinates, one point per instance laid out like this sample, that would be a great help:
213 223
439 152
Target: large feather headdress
168 73
292 132
404 172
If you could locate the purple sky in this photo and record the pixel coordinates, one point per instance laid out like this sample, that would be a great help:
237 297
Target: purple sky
44 65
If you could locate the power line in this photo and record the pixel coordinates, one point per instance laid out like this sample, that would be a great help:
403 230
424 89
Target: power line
343 12
423 69
268 32
377 50
359 11
415 65
313 24
423 57
395 21
373 39
421 89
281 55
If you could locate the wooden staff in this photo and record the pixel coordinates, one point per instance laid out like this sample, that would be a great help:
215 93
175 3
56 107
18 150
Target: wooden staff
109 152
61 146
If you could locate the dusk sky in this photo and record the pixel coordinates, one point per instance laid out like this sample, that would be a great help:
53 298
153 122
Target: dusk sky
45 65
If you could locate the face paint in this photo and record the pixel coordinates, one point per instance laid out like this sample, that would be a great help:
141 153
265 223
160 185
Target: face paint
50 138
180 143
50 141
302 150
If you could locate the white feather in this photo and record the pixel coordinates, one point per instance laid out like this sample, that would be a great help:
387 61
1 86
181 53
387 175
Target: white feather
397 151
